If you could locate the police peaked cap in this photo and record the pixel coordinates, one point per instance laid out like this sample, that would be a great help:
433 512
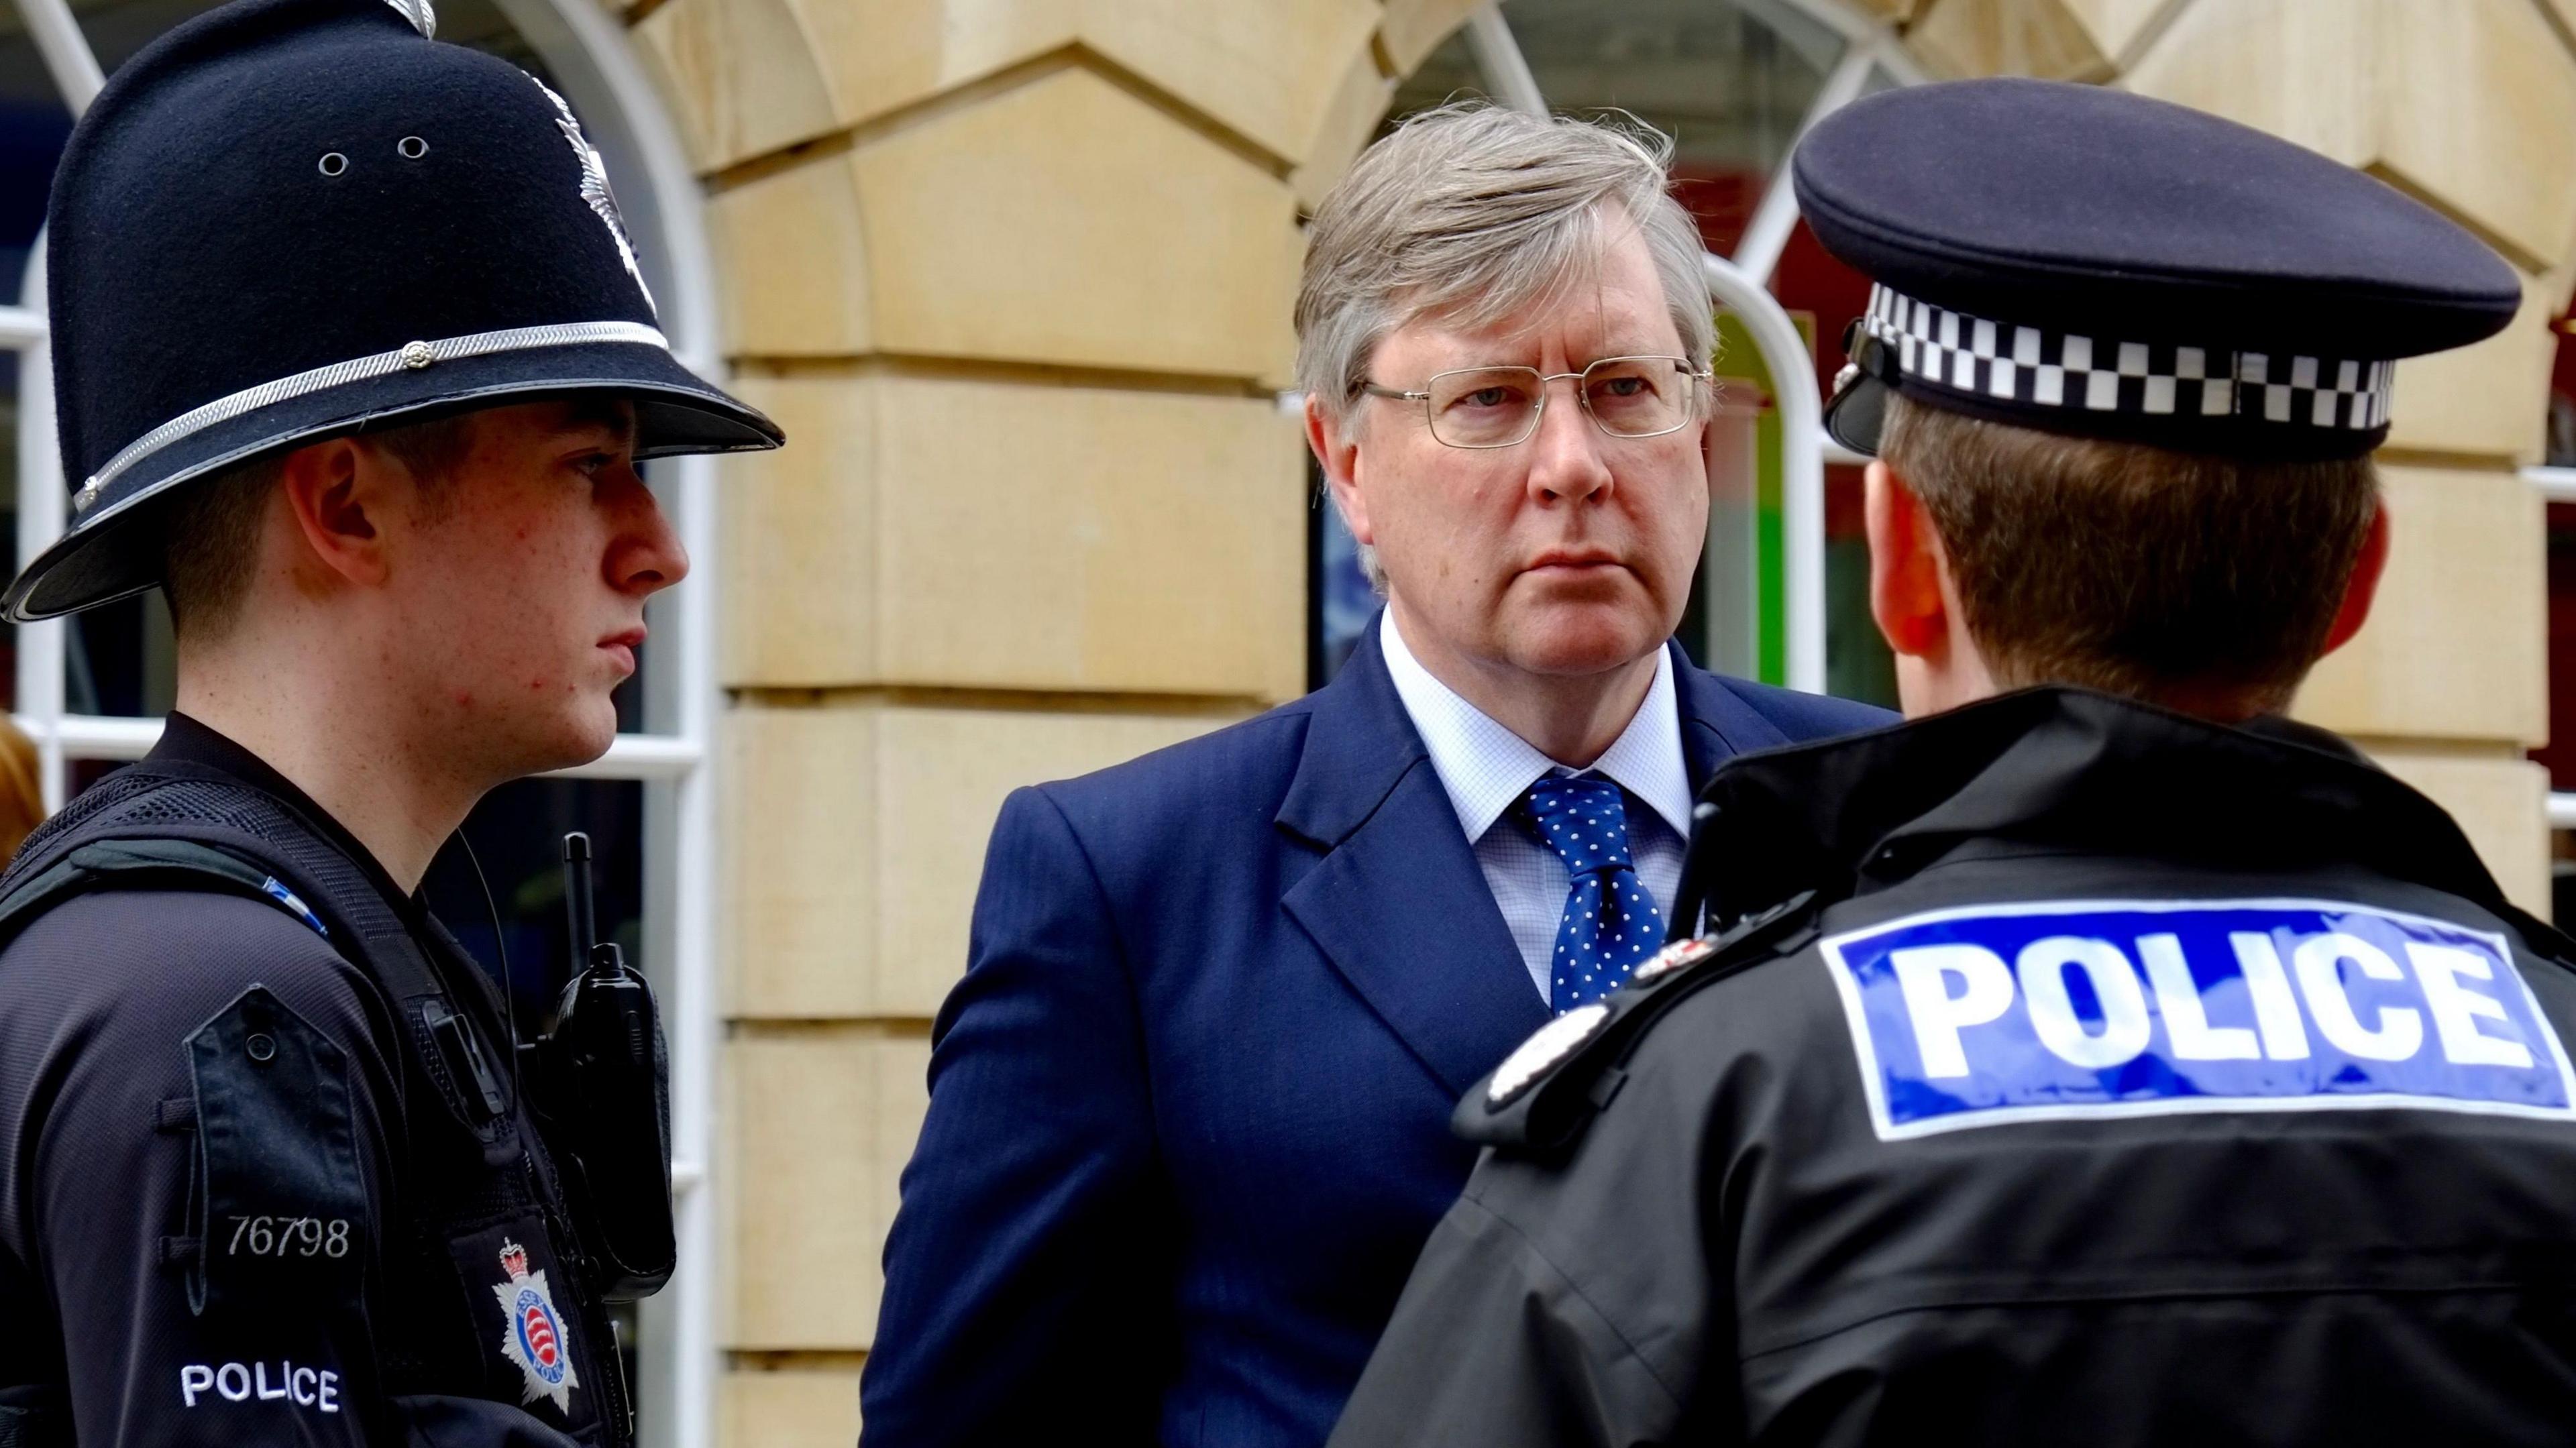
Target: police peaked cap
2090 262
287 220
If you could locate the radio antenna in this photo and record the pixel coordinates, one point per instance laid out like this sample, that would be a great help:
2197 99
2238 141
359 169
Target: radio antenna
577 906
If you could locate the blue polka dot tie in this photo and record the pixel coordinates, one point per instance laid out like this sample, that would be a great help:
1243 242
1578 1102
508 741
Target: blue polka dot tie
1610 922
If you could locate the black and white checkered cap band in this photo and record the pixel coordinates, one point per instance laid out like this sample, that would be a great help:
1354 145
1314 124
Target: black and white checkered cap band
2040 368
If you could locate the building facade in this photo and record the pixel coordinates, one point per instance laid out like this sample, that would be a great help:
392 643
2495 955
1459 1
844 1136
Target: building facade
1015 275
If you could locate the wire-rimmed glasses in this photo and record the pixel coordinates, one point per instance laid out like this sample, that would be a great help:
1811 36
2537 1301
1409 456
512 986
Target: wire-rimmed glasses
1488 407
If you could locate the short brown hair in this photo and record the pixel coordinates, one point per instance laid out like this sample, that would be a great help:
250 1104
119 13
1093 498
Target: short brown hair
2131 568
210 533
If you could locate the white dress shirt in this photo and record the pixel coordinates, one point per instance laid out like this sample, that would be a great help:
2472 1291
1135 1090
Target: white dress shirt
1485 768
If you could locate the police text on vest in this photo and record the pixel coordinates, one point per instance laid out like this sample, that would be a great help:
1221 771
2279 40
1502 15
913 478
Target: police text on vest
317 1389
1991 1014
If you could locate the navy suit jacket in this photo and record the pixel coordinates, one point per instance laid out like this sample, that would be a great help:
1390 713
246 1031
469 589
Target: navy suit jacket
1189 1110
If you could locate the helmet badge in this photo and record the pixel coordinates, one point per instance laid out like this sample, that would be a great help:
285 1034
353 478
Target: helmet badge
419 13
594 183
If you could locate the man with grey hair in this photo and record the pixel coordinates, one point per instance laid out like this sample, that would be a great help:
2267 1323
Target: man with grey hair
1189 1108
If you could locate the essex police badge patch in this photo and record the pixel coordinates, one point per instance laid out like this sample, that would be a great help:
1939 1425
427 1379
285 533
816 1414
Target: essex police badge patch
594 188
533 1335
1990 1014
1679 955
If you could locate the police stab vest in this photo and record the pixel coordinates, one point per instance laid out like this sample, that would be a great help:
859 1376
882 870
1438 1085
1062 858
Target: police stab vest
486 1291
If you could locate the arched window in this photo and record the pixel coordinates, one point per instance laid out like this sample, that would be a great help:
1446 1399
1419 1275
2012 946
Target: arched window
1735 83
90 690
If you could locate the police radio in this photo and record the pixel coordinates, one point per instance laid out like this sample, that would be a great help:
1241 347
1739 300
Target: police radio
610 1083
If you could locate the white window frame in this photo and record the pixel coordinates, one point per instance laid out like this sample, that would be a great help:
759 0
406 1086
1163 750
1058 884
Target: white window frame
1742 285
596 67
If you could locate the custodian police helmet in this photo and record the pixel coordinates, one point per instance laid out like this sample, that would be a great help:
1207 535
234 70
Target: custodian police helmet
290 219
2089 262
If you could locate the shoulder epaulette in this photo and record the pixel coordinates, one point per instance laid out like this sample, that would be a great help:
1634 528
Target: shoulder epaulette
1547 1090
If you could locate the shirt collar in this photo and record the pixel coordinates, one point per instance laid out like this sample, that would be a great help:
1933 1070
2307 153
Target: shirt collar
1484 767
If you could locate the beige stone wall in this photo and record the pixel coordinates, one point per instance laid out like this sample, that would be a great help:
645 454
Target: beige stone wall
2469 105
1015 275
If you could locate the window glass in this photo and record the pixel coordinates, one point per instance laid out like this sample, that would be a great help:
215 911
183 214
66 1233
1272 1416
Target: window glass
516 834
2561 446
1343 599
1728 82
117 659
8 510
1826 297
2559 755
34 124
2562 877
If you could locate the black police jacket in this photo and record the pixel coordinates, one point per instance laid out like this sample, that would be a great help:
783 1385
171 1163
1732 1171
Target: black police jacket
2077 1073
262 1179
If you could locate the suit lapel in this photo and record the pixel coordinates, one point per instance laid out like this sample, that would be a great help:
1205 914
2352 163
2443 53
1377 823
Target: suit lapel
1717 724
1398 904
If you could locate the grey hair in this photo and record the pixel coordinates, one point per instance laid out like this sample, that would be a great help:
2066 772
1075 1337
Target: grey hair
1471 212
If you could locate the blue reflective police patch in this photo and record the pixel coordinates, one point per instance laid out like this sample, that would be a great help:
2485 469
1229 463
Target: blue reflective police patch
291 901
1991 1014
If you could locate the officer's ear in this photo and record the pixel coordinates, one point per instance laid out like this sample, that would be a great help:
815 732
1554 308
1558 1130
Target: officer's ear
2364 585
1339 455
333 490
1905 593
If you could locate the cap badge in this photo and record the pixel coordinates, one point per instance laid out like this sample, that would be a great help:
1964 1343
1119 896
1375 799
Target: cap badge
594 187
534 1337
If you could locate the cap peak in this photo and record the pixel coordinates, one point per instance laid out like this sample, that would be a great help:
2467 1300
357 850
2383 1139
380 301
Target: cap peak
2098 263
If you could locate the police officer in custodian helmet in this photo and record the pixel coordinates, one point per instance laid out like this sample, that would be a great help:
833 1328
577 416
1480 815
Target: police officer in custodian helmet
353 358
2117 1064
